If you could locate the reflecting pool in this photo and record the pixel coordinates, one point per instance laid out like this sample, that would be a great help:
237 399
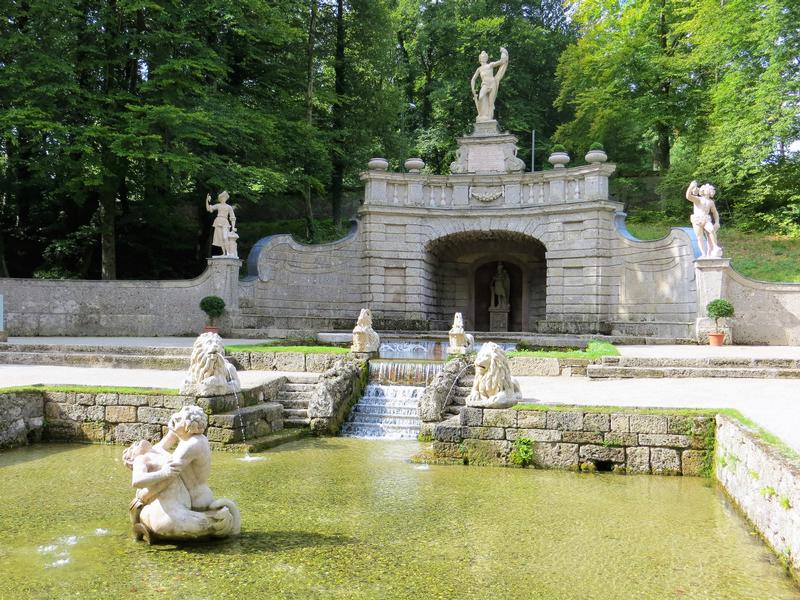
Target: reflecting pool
351 518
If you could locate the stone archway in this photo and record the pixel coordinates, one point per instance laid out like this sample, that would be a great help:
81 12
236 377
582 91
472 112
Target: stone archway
462 265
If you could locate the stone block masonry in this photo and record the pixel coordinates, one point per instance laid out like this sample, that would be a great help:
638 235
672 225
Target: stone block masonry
123 418
680 443
764 483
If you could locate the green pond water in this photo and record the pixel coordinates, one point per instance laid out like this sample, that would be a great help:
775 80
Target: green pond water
349 518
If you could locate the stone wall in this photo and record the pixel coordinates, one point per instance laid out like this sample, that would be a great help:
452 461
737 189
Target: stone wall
121 308
630 442
764 484
21 418
286 361
337 391
766 313
124 418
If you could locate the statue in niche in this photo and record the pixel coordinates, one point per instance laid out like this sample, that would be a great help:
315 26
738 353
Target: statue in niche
490 82
500 288
705 218
224 225
365 338
173 500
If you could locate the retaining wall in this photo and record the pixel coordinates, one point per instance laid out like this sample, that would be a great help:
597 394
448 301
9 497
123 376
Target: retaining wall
286 361
21 418
764 484
631 442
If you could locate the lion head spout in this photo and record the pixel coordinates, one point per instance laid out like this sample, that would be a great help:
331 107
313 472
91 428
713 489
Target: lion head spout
210 373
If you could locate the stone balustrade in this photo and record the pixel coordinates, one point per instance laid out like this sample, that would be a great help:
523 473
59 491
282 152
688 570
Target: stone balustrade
512 190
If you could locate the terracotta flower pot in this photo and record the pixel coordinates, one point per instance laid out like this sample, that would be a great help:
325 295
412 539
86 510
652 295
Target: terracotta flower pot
210 329
716 339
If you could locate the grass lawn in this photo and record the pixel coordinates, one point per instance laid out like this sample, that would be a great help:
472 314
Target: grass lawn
91 389
756 255
594 349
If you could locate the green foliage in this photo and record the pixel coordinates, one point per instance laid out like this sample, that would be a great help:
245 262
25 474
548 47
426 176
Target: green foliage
768 492
558 148
719 309
213 306
425 437
596 146
785 503
521 452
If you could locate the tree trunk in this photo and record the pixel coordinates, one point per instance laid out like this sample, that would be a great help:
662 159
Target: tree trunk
337 178
312 34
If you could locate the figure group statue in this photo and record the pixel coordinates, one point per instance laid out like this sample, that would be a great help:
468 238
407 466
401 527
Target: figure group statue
173 500
705 218
500 288
490 82
224 225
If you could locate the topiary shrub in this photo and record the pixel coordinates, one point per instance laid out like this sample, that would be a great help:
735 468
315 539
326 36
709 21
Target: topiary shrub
596 146
719 309
558 148
213 306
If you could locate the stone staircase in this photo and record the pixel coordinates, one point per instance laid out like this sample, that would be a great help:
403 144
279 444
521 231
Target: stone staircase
618 367
77 355
294 397
458 396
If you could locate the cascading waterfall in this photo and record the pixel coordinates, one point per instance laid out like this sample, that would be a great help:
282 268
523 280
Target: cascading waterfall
389 407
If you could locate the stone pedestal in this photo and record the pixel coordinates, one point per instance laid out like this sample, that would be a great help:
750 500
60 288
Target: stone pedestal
225 274
498 318
710 275
487 150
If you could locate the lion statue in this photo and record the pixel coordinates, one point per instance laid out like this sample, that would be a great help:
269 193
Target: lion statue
364 337
460 342
210 374
494 387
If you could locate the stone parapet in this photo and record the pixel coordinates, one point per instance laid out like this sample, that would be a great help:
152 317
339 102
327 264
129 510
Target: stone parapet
764 482
663 443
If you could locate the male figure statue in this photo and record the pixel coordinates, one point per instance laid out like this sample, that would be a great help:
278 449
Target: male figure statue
224 223
501 286
705 218
490 83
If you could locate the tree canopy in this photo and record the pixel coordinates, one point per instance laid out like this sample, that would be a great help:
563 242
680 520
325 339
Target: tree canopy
117 118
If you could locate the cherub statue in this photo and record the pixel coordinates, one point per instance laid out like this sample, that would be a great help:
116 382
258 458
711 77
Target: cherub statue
224 224
490 82
173 500
705 218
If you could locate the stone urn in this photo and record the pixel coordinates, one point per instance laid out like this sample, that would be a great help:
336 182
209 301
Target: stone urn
596 156
414 165
558 159
378 164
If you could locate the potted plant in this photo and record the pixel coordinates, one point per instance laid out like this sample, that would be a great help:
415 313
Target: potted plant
718 309
213 306
596 154
558 156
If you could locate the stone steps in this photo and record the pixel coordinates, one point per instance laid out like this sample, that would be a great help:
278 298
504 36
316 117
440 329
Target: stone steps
294 397
719 367
257 421
264 442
